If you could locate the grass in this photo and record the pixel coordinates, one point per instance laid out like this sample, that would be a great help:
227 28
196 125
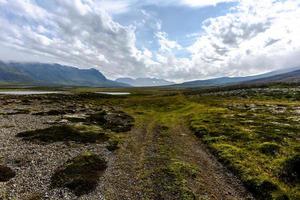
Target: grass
164 176
256 138
255 135
253 132
80 174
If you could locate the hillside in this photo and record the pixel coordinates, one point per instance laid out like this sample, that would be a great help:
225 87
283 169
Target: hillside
223 81
290 77
53 74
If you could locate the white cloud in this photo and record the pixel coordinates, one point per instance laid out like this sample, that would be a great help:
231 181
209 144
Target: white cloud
188 3
166 45
80 34
116 6
256 36
203 3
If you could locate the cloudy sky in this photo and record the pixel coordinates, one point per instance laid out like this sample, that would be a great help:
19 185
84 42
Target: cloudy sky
177 40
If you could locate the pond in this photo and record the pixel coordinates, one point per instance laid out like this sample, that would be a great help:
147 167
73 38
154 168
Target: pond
18 92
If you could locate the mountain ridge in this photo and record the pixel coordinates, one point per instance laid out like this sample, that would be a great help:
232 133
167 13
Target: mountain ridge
44 74
223 81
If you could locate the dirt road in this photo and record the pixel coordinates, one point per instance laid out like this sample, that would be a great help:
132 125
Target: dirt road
161 162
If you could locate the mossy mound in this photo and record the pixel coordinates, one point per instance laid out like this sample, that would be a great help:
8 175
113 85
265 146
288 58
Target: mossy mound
77 133
113 145
269 148
115 121
261 189
290 172
81 174
169 185
6 173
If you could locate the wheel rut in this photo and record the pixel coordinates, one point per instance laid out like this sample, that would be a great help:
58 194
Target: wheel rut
160 161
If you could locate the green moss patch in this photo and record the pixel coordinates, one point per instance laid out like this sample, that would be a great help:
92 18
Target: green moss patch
290 172
6 173
166 177
81 174
112 145
269 148
76 133
254 143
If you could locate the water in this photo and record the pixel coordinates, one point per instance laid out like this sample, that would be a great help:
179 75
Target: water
114 93
28 92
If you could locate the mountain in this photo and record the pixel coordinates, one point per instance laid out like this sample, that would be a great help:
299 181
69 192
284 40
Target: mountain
144 82
289 77
231 80
52 74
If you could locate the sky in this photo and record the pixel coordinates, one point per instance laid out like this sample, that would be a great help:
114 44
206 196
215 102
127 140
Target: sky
177 40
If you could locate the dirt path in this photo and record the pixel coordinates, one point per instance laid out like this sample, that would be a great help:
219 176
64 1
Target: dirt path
215 181
161 162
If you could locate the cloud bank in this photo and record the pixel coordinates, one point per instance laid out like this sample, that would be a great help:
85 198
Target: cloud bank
254 37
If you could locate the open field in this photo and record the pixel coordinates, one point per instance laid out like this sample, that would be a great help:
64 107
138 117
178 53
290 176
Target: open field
152 144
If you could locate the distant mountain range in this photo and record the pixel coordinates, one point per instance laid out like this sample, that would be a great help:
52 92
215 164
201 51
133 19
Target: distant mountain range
286 75
40 74
289 77
144 82
53 75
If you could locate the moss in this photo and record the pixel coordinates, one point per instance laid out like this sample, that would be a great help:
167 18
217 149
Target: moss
164 176
6 173
79 133
116 121
265 189
245 136
80 174
290 171
169 185
98 117
200 131
269 148
112 145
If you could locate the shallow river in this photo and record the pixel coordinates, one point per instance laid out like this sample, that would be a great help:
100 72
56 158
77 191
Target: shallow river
28 92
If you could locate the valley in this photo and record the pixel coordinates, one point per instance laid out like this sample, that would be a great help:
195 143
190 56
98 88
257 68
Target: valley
151 144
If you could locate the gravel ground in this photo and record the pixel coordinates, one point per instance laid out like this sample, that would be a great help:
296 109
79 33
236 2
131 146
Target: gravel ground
35 163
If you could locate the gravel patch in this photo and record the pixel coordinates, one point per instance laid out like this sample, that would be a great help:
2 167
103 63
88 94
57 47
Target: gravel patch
34 164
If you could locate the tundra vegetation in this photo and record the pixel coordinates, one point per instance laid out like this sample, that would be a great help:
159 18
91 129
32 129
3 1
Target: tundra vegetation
155 135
